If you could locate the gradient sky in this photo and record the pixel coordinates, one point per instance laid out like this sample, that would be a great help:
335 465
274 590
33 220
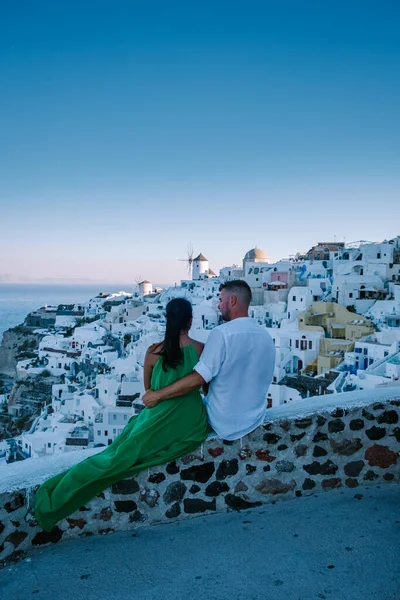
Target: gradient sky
128 129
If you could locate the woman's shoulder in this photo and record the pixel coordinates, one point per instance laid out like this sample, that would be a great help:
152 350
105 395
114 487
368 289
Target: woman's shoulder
154 349
198 346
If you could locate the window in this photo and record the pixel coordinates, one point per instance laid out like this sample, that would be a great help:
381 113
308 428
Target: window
294 298
297 343
114 431
256 270
358 350
99 432
350 294
365 350
115 417
378 255
125 417
105 391
49 445
385 353
310 345
106 432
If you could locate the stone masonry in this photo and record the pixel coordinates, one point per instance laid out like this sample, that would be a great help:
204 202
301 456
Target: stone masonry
284 458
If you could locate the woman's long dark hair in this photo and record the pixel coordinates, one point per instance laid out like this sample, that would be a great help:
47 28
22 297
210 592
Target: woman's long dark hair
178 313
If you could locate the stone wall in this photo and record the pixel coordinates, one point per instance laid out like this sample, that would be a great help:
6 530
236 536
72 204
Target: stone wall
291 455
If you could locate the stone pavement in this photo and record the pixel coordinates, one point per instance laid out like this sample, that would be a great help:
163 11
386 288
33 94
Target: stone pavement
339 545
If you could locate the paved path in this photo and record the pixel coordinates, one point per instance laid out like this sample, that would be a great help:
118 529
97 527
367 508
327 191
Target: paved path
333 546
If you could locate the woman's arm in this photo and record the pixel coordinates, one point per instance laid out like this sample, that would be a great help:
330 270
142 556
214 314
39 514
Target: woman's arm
199 348
179 388
150 360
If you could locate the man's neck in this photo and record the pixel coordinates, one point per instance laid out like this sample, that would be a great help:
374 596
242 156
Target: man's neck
239 315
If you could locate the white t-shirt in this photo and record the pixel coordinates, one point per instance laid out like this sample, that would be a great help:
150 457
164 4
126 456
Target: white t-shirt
238 359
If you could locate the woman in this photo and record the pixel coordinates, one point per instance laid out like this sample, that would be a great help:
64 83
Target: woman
158 435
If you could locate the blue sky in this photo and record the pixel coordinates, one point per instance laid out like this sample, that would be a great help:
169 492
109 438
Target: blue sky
129 129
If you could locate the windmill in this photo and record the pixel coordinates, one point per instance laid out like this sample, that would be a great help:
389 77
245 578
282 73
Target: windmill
189 258
138 280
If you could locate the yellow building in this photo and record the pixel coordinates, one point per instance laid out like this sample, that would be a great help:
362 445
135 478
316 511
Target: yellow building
341 329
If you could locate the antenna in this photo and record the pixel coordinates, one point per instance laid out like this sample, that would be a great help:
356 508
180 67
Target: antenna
189 258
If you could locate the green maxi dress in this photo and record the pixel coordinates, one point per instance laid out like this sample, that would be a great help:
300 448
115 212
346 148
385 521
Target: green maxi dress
157 435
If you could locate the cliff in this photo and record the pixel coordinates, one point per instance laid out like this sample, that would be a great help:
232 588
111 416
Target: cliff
29 396
18 343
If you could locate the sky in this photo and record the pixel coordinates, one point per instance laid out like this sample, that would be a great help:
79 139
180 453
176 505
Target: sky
130 129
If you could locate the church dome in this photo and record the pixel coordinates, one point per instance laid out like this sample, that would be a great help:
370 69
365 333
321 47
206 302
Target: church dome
256 254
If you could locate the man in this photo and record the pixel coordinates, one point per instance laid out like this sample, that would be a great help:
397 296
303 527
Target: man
238 362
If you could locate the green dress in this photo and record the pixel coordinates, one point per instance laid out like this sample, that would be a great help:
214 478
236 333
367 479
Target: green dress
157 435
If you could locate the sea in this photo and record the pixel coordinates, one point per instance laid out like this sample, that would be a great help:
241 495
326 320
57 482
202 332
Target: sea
18 299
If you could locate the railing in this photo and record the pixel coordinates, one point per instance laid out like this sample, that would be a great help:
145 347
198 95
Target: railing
378 363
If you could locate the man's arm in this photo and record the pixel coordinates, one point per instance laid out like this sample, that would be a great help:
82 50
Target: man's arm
179 388
208 367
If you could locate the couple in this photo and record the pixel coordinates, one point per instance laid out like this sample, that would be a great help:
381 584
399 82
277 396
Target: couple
235 368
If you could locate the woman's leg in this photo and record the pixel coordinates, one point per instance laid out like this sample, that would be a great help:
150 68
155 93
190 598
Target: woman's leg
154 437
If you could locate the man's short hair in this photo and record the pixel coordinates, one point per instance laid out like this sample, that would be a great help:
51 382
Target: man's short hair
239 288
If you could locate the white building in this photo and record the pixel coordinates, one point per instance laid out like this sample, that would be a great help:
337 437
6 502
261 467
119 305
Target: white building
145 287
109 423
299 299
360 291
200 267
205 315
231 273
372 351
